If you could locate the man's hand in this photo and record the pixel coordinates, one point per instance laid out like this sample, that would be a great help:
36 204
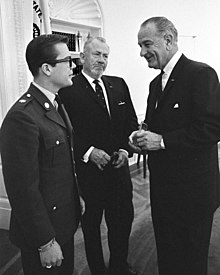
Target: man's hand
100 158
121 161
52 257
150 141
135 148
133 142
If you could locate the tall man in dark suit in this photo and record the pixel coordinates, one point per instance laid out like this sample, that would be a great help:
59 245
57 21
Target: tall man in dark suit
183 117
38 165
102 124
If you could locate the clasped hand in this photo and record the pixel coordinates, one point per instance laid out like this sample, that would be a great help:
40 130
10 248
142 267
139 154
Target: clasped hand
141 141
52 257
102 159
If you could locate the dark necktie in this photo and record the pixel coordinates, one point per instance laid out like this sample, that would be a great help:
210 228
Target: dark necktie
160 90
62 111
99 93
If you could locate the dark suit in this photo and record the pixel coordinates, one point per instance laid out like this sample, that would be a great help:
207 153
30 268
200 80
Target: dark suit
184 178
110 189
38 173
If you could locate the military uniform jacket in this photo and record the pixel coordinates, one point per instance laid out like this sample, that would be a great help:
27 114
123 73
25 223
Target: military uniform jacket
38 172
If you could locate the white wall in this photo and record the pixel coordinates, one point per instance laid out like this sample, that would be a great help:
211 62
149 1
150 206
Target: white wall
191 17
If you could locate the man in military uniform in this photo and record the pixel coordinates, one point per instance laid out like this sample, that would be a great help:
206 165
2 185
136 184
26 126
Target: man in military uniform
38 165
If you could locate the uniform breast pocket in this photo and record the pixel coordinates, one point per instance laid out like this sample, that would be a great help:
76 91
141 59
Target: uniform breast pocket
55 146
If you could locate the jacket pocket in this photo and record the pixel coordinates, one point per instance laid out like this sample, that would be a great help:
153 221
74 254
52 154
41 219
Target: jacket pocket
56 147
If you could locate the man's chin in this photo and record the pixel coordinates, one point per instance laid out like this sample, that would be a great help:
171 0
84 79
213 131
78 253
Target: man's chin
70 82
153 66
99 73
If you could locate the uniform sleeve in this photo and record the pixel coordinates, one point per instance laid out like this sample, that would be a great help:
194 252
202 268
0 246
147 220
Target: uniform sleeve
19 151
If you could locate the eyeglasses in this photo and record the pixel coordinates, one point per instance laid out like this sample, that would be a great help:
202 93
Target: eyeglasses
67 59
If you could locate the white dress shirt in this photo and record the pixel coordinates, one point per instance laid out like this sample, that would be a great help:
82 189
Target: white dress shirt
169 67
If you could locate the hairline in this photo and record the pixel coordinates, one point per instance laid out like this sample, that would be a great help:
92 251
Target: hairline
89 41
162 25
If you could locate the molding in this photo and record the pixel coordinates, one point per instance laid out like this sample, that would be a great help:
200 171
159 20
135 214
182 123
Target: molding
85 12
67 23
19 12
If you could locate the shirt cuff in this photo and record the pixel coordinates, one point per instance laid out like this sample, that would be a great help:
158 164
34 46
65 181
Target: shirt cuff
87 154
162 144
122 150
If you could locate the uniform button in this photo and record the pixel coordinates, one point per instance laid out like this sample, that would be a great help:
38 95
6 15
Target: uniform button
57 142
28 95
54 208
46 105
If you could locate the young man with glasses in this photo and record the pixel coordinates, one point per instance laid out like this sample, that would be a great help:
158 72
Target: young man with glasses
38 164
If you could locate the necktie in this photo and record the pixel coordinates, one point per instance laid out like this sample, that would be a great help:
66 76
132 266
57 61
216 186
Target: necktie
160 90
161 79
62 111
99 93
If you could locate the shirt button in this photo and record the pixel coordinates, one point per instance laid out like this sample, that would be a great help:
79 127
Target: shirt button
57 142
54 208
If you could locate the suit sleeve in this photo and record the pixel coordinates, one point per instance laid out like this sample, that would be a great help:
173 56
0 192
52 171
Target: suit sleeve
19 152
131 123
204 129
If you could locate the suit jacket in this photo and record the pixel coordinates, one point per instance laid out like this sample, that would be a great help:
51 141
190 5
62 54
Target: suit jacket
185 176
95 127
38 173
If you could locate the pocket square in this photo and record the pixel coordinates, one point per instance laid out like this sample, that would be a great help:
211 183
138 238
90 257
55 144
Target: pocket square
121 103
176 106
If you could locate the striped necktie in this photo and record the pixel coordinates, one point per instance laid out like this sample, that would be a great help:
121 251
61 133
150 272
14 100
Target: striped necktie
99 93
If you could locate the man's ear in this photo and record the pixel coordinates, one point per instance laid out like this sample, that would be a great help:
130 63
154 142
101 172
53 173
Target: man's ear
46 68
169 40
82 57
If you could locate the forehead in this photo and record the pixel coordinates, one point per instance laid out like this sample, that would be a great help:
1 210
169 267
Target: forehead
99 46
62 50
147 33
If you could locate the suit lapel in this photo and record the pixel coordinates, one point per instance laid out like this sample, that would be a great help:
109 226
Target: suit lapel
175 74
155 88
109 90
84 83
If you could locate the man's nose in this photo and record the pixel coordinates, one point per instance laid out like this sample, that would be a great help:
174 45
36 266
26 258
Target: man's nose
101 59
73 65
143 52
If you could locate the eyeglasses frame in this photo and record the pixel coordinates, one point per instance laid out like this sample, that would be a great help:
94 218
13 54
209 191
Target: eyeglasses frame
66 59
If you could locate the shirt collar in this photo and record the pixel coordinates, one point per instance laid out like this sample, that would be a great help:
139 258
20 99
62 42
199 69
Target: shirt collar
90 79
171 64
47 93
